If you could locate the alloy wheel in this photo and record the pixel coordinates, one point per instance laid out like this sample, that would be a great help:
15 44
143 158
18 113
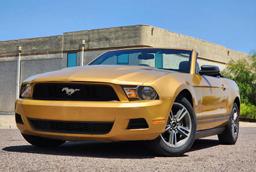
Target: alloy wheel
178 128
235 122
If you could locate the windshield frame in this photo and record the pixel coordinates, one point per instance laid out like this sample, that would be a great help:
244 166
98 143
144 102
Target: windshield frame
106 54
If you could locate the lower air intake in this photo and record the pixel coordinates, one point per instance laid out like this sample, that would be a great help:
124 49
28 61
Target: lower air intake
71 127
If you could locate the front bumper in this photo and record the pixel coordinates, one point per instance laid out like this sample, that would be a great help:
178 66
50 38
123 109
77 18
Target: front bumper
155 112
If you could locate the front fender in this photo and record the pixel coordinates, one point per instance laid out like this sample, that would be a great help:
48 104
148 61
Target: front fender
170 86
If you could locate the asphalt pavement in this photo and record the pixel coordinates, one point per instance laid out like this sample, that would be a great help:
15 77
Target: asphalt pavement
206 155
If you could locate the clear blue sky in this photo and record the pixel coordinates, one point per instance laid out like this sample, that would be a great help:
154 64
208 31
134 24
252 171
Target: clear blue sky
231 23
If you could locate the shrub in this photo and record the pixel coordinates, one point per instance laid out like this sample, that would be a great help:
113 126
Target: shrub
244 73
248 111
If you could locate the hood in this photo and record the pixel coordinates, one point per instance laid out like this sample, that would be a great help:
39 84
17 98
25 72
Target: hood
102 73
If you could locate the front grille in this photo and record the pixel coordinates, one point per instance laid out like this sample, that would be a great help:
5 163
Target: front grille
74 91
71 127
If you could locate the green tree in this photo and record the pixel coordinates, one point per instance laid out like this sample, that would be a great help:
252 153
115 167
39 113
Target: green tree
243 71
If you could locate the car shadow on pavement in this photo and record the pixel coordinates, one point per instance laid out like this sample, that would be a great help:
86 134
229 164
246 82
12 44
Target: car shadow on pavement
204 144
129 150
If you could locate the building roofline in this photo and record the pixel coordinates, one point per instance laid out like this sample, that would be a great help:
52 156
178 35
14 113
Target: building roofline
141 35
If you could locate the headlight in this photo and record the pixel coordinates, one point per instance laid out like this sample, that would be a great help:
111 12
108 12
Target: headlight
147 93
140 93
26 91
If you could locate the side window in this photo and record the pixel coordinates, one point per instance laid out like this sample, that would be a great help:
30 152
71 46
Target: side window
198 68
71 59
207 62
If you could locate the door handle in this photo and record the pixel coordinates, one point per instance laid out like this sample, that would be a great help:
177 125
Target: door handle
223 87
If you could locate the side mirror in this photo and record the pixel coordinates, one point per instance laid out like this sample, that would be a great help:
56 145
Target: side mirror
210 70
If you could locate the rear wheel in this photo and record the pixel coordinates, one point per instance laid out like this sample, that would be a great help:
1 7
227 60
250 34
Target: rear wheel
179 134
230 134
42 142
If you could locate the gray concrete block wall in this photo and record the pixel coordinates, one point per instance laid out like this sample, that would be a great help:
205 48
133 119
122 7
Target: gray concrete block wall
128 36
32 67
118 37
158 37
7 86
43 45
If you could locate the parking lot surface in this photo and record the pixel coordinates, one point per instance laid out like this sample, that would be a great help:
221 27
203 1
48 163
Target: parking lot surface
206 155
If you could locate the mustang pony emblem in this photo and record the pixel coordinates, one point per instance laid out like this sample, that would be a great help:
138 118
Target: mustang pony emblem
69 91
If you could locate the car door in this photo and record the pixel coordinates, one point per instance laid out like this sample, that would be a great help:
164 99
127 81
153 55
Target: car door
212 99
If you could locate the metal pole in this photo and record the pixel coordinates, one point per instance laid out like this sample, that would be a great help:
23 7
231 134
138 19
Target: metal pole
82 53
18 73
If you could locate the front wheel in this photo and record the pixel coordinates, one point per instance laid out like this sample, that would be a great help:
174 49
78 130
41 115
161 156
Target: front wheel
179 134
42 142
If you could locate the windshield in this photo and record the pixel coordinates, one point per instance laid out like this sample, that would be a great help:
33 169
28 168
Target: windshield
169 59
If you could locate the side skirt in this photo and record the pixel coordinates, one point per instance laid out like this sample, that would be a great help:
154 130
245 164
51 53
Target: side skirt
209 132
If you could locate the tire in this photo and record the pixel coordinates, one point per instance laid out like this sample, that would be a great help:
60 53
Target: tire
42 142
164 145
230 134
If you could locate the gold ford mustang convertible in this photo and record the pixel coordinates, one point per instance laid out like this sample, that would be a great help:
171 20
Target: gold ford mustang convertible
161 96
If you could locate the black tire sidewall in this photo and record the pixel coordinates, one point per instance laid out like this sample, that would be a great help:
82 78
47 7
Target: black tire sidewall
170 151
227 137
229 126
